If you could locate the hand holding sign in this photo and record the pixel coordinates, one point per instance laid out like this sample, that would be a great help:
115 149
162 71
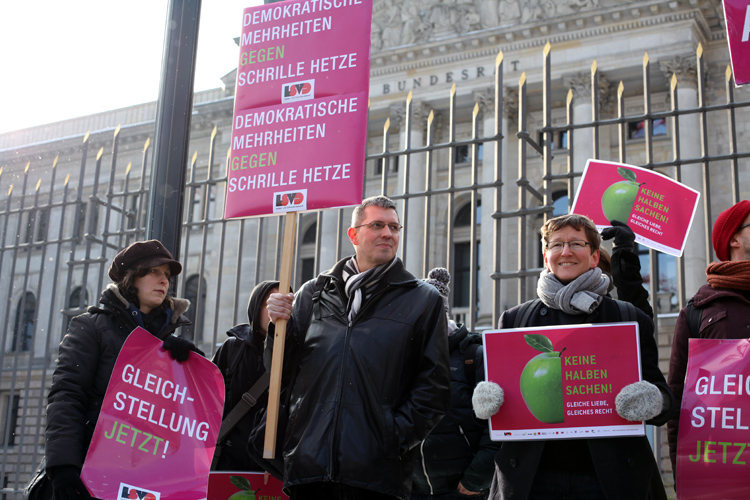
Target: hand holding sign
658 209
565 393
158 425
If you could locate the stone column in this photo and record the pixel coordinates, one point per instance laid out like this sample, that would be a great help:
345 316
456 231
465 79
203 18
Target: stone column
509 201
412 241
583 142
689 136
583 146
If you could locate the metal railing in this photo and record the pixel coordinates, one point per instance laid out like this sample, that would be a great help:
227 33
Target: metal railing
60 232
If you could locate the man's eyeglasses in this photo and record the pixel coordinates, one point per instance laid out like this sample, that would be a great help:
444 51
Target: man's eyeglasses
557 246
743 227
378 226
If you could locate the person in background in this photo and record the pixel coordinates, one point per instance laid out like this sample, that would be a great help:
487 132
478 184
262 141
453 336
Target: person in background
573 290
240 359
721 308
368 344
137 296
456 459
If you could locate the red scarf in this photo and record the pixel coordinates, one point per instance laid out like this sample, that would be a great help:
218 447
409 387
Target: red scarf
734 275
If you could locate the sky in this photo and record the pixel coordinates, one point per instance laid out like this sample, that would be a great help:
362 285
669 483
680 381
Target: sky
64 59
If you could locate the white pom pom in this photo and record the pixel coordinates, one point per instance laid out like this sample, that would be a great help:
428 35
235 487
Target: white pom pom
639 401
487 399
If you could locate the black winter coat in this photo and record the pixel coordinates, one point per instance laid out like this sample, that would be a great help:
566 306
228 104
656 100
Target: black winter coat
86 358
724 314
240 359
625 466
459 447
366 392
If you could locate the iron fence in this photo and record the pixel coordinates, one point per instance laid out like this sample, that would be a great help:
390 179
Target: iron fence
463 205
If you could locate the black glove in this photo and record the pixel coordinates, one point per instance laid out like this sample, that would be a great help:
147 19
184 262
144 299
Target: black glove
67 484
180 348
623 235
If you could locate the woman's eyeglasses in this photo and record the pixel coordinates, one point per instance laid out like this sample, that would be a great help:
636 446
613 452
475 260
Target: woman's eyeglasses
575 245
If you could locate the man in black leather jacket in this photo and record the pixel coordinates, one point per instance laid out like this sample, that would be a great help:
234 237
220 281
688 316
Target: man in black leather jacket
366 357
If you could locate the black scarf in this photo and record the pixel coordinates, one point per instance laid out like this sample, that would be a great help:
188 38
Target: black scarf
359 286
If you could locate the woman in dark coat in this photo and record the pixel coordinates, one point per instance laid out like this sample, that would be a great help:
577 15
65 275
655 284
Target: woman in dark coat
573 290
137 297
240 359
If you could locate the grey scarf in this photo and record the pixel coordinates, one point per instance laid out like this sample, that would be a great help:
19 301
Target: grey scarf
580 296
355 282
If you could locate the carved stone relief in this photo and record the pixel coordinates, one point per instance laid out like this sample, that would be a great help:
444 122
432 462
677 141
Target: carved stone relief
397 23
683 67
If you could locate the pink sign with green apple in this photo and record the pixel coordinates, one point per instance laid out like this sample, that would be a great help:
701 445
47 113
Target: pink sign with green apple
712 443
157 428
561 382
240 485
658 209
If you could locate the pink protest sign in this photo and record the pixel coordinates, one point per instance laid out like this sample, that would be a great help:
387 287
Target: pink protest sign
158 425
658 209
299 50
737 15
561 382
712 442
300 111
244 486
305 156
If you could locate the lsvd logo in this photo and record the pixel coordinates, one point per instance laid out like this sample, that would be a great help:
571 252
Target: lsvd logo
130 492
288 201
298 91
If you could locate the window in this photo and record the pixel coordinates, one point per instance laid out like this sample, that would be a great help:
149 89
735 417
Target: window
392 164
306 267
132 214
637 130
42 223
666 287
9 418
80 224
309 236
23 332
77 302
93 218
26 227
559 207
559 139
308 270
462 154
193 286
559 203
462 247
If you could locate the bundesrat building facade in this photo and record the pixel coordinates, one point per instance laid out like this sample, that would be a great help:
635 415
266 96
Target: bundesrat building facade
481 119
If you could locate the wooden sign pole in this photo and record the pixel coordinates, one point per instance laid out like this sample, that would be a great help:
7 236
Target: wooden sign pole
277 363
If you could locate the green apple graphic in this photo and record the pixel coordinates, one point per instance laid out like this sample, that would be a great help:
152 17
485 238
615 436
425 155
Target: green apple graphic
618 199
243 484
541 381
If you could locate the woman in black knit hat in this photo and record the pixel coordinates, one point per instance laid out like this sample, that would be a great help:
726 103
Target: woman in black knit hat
138 296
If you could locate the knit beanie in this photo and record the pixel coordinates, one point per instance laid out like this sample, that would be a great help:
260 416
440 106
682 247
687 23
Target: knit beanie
727 223
440 278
